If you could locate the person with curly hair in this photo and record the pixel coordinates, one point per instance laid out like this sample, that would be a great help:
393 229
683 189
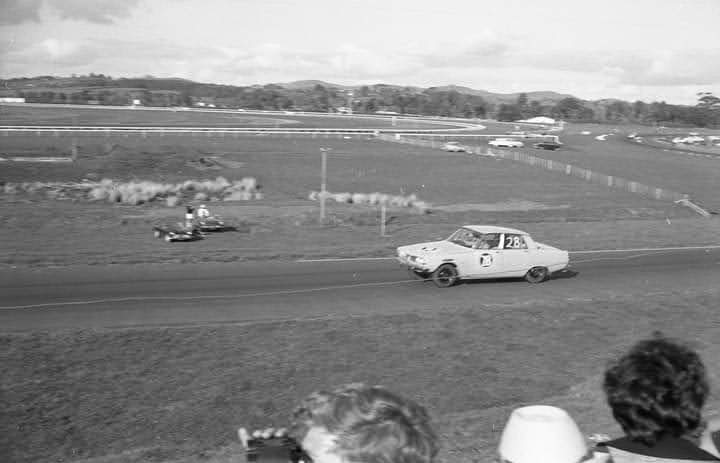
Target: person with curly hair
656 392
357 423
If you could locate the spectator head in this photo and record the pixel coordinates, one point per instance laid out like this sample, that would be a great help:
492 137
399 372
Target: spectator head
356 423
542 434
657 390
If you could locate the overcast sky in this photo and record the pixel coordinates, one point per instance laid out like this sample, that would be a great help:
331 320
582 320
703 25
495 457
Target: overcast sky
650 50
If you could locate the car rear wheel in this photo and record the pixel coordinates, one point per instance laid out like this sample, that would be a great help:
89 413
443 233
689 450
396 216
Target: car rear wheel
445 276
537 275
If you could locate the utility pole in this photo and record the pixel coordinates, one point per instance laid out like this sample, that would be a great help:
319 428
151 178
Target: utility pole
323 182
383 219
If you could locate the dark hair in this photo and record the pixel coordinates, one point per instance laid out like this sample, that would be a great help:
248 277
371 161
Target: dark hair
657 389
372 424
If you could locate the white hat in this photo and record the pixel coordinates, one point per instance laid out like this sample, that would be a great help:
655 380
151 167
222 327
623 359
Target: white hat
541 434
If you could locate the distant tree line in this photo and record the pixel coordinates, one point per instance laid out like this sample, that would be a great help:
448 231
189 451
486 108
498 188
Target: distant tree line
164 92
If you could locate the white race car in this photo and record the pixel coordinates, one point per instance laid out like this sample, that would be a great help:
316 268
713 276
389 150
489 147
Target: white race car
506 143
477 252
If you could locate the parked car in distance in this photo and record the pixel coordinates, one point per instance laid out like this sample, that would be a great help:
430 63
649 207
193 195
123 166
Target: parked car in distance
506 143
548 145
480 252
454 147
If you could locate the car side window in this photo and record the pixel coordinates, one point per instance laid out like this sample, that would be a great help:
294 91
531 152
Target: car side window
513 241
489 241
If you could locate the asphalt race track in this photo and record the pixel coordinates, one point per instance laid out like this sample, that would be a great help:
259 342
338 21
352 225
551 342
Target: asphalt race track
191 294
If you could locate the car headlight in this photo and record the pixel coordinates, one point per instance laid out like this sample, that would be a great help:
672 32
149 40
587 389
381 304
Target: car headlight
421 261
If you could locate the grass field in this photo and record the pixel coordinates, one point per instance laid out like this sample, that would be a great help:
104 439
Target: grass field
675 170
76 115
177 394
461 188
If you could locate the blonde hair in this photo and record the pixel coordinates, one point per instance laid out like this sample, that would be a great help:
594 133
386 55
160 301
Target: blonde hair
372 424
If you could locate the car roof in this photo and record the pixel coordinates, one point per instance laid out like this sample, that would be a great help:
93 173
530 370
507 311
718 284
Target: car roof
493 229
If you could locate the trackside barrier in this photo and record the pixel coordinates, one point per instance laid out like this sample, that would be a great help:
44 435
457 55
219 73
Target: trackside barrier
661 194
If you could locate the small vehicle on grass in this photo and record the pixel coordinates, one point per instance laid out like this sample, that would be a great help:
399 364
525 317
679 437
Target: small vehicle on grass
177 232
213 224
547 145
506 143
482 252
455 147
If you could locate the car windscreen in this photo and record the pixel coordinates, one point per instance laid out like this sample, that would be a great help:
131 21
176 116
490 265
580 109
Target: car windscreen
472 239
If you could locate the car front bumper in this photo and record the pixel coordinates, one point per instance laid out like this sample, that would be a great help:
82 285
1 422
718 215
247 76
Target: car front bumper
411 262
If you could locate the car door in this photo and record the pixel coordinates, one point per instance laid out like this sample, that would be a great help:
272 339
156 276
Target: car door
517 258
486 261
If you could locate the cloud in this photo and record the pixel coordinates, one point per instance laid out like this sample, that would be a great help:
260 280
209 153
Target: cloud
20 11
480 51
352 62
658 67
94 11
110 56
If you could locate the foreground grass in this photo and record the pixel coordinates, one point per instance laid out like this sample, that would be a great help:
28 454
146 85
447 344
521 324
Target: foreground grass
178 394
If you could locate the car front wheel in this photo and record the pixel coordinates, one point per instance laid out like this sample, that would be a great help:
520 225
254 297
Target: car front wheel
537 275
445 276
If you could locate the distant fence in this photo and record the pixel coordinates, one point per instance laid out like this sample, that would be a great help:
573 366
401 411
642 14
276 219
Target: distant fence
662 194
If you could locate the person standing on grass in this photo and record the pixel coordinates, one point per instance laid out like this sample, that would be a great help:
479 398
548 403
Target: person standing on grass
656 392
356 423
189 216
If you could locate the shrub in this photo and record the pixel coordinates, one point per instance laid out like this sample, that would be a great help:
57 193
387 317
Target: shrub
374 199
360 198
239 196
138 192
343 198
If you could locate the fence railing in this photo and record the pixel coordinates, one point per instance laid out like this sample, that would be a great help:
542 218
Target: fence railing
611 181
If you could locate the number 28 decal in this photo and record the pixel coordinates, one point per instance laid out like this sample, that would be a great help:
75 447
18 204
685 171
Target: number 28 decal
486 260
512 242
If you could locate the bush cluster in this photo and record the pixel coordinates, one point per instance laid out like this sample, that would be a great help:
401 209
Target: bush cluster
138 192
373 199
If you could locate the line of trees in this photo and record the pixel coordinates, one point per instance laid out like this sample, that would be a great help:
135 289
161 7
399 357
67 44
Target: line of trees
104 90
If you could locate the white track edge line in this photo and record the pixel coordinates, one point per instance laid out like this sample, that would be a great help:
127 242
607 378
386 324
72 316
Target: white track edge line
598 251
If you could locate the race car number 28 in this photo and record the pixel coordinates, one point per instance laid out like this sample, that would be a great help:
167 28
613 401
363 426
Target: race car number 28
486 260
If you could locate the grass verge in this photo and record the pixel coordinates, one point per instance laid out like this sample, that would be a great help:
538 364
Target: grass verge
177 394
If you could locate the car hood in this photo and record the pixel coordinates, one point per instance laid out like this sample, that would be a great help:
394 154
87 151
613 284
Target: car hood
433 248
